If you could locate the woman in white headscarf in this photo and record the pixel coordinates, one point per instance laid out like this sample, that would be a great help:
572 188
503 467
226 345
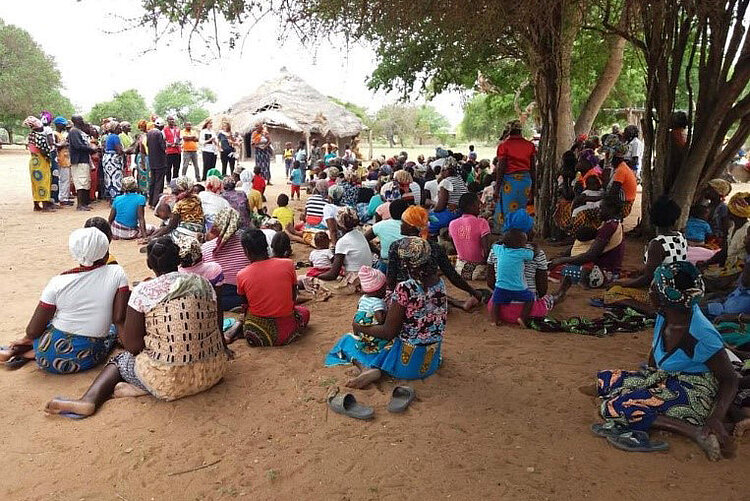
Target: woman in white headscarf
74 325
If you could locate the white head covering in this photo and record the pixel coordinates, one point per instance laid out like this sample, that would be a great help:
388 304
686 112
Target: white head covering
246 178
88 245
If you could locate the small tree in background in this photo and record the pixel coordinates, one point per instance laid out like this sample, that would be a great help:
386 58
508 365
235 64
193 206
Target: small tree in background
184 101
128 105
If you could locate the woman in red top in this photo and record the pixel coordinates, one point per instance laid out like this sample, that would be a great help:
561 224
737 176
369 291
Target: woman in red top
271 317
514 177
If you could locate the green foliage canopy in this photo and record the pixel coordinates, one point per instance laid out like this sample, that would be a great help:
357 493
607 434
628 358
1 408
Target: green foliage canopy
184 101
128 105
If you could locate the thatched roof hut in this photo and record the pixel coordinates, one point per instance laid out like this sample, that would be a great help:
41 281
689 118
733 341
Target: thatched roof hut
293 111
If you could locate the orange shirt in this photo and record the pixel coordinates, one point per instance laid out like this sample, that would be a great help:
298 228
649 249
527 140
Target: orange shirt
263 301
626 177
189 140
517 153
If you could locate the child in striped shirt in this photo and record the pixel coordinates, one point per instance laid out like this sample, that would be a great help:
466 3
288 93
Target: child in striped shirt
371 307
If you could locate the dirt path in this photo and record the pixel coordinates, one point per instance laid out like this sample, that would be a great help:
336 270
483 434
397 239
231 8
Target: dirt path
503 418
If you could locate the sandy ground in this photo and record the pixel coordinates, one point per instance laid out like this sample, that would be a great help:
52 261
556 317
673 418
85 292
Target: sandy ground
502 419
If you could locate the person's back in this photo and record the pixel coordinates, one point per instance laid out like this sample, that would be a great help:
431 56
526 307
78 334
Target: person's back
265 301
467 232
126 208
157 153
518 153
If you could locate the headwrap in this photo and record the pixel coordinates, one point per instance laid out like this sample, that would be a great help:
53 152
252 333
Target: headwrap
518 220
111 125
149 126
226 224
581 138
415 252
721 186
190 250
514 125
60 121
370 279
142 124
669 293
402 177
589 155
46 117
214 172
321 187
32 122
124 124
418 217
184 184
229 183
129 184
238 169
738 204
614 146
214 184
333 172
246 178
336 192
347 218
88 245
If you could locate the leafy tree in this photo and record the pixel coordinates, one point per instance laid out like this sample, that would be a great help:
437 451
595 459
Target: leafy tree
128 105
360 111
184 101
429 123
29 79
395 122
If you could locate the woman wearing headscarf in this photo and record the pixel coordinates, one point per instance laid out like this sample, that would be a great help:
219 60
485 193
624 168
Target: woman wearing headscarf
623 182
211 199
237 200
689 382
39 165
450 190
350 187
60 136
113 161
714 194
224 246
514 177
402 186
408 343
46 118
162 314
733 255
351 251
271 317
187 213
261 141
127 215
142 172
73 326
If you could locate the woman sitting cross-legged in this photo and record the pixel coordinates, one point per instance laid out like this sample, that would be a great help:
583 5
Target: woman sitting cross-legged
73 326
127 216
408 344
689 383
172 337
268 287
187 213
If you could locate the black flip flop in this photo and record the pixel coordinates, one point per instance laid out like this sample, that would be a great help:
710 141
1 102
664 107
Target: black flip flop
401 397
637 441
16 362
608 429
347 405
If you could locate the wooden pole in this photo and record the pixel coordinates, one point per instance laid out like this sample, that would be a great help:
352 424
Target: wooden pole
369 143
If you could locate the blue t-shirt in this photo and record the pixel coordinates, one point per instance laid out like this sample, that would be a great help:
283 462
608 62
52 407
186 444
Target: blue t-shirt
387 231
708 341
126 208
509 267
297 177
112 141
696 229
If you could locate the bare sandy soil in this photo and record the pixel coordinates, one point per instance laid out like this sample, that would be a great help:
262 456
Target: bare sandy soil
502 419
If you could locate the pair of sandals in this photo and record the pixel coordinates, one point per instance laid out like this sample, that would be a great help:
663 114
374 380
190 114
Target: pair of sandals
346 404
626 439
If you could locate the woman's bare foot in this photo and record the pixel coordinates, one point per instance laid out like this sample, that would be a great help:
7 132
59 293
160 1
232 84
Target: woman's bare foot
522 322
741 426
123 389
710 445
367 377
61 406
470 304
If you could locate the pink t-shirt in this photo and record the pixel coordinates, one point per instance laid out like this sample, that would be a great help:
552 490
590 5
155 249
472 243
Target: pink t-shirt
210 271
467 232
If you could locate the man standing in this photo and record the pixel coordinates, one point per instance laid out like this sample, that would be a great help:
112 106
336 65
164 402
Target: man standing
80 160
172 137
157 161
190 149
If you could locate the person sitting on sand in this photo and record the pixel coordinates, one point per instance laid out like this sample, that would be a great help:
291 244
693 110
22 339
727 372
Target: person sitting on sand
510 286
387 232
312 216
187 213
224 247
321 259
669 246
212 200
238 200
413 330
127 217
73 327
271 317
471 237
414 223
371 306
732 256
697 228
351 252
160 315
102 225
689 383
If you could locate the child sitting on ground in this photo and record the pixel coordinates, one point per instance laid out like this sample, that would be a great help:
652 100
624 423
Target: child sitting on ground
282 212
371 307
322 257
510 285
281 245
697 227
590 198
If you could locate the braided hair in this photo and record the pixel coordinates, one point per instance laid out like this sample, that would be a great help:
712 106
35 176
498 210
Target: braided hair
163 255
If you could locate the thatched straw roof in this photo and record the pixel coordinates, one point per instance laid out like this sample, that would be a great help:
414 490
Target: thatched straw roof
289 102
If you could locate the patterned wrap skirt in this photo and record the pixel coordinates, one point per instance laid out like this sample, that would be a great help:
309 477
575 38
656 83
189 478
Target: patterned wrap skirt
514 195
636 398
142 173
264 331
112 165
263 160
471 271
41 178
60 352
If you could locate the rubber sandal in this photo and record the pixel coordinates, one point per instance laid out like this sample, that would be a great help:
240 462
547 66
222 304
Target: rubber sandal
72 415
608 429
347 405
16 362
228 323
637 441
401 397
597 302
4 357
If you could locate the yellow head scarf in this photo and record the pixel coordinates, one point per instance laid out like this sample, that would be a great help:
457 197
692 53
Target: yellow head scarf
738 204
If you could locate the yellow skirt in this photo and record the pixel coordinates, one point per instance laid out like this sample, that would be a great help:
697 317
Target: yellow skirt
41 177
